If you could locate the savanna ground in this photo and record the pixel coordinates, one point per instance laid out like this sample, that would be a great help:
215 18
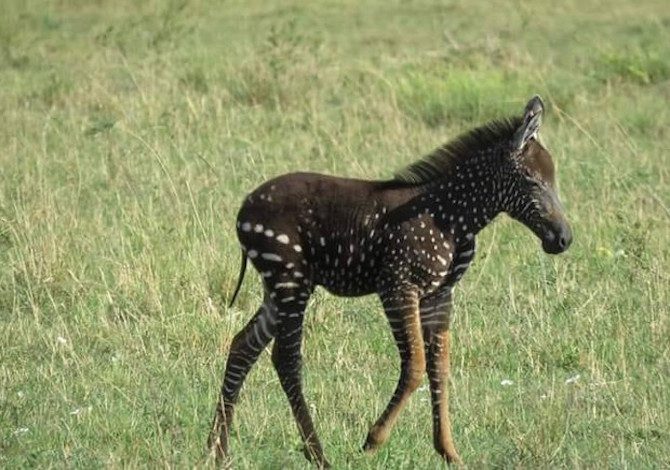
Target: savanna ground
130 135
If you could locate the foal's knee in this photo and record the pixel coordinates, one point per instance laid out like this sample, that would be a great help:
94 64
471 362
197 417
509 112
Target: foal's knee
286 362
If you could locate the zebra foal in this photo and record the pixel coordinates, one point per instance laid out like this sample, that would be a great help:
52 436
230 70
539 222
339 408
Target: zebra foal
409 240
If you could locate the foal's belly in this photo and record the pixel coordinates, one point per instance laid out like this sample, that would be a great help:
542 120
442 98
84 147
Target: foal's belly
346 266
343 291
345 284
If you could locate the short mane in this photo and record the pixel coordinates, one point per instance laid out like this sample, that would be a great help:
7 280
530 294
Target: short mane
438 162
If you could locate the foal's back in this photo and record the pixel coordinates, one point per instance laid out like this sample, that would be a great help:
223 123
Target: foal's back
325 226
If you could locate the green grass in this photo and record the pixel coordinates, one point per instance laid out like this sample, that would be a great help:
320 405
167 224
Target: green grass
130 135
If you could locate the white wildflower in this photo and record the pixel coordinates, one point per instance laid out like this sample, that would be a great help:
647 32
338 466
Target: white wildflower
573 379
78 411
506 382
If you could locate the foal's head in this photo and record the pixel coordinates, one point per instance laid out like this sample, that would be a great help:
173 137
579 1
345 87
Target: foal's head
531 195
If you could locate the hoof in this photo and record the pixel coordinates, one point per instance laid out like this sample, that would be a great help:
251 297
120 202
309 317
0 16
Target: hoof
371 445
449 454
217 449
319 461
451 458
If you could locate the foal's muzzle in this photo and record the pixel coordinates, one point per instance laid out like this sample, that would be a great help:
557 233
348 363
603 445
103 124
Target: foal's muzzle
557 239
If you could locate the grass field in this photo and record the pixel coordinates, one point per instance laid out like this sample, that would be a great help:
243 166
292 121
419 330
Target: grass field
130 135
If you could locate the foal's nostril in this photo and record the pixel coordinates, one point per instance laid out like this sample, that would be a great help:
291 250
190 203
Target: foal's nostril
564 240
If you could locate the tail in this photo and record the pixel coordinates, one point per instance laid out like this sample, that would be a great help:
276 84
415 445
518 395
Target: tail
243 268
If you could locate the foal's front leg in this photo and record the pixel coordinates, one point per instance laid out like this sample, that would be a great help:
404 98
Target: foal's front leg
402 310
435 318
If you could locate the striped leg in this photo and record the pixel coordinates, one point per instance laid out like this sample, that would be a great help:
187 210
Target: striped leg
244 351
402 311
435 318
287 360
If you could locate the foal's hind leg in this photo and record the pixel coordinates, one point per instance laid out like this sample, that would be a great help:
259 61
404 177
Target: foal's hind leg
244 351
287 360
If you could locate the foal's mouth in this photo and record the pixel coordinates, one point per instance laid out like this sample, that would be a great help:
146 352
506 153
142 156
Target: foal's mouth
557 239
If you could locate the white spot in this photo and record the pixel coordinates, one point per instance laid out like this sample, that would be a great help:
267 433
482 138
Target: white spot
246 227
269 233
252 254
285 285
297 248
283 238
271 256
258 228
506 382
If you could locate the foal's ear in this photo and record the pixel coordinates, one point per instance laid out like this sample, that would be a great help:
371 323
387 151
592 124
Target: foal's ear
532 119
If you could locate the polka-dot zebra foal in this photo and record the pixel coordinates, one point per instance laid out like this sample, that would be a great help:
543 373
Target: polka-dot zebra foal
409 240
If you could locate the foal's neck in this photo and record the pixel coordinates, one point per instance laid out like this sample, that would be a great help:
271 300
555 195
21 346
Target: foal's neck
466 199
